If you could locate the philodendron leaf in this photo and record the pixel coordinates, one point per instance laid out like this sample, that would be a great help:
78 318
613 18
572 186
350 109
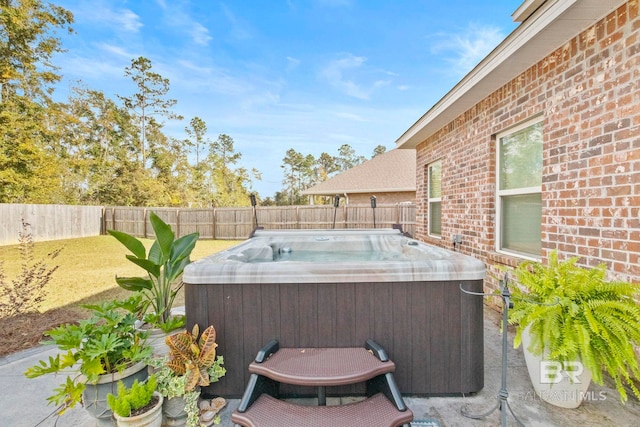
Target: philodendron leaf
67 395
134 245
135 284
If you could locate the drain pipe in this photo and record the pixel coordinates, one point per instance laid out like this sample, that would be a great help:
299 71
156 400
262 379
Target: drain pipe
336 203
373 208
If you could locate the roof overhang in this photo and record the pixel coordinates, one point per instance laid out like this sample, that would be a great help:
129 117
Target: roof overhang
547 25
358 191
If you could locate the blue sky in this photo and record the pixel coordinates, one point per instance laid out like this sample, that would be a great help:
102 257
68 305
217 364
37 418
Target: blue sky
278 74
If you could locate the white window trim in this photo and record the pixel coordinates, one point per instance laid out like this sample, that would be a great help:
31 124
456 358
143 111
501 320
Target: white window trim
433 200
519 191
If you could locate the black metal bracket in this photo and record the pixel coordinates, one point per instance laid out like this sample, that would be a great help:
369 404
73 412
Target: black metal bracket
266 351
256 386
377 350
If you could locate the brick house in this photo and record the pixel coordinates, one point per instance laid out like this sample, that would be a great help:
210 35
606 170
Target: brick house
538 147
389 176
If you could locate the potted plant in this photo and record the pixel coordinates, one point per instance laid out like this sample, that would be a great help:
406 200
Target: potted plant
192 363
164 265
576 319
137 406
95 354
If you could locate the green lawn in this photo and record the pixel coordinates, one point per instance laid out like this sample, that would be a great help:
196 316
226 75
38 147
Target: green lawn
88 266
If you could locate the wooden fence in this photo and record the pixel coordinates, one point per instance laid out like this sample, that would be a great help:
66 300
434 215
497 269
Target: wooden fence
49 222
54 222
237 223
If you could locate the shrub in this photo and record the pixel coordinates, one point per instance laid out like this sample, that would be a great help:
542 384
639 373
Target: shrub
25 293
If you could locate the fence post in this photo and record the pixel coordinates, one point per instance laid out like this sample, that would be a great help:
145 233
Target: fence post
144 223
103 221
178 223
213 222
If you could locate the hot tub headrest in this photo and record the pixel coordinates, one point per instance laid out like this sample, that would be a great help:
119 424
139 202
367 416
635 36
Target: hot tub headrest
263 253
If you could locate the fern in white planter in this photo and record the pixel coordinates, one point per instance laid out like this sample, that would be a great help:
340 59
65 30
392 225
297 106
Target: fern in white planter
574 313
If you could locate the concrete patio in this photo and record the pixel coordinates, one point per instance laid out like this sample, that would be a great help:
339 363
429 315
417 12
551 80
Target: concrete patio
23 401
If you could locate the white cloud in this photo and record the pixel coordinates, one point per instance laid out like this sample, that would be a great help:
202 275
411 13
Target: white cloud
292 63
240 30
128 20
200 34
337 72
103 15
115 50
465 49
175 15
333 3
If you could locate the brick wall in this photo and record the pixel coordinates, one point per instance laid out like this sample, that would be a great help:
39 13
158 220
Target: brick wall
588 92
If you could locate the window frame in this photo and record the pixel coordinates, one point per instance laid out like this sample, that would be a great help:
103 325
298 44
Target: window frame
512 192
431 200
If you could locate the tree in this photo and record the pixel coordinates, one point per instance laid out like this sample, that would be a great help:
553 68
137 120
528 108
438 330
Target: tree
149 100
380 149
196 135
327 166
29 171
347 158
102 141
230 184
27 46
299 175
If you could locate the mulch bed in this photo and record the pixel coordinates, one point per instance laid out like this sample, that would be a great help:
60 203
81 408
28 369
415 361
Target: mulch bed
27 330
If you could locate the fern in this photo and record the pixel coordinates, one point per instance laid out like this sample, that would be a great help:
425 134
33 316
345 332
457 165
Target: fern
574 313
136 397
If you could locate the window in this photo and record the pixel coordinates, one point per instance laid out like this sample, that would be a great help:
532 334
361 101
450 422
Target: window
519 204
435 199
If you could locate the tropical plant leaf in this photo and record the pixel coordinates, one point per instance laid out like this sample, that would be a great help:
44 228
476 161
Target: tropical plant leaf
164 236
149 266
135 284
134 245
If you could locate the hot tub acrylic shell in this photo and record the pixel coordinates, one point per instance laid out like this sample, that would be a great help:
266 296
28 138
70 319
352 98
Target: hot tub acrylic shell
412 305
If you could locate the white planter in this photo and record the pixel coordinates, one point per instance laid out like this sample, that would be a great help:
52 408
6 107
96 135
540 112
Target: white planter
157 338
151 418
94 397
552 381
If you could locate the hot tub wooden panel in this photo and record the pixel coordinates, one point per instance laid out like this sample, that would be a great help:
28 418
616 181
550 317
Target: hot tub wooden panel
431 330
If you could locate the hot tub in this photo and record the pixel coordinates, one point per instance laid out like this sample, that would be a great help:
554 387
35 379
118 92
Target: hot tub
336 288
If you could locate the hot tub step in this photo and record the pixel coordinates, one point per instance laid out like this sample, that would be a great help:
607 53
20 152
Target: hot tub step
322 366
268 411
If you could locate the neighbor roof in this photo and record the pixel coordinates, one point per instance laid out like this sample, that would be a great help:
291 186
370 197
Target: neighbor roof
392 171
546 25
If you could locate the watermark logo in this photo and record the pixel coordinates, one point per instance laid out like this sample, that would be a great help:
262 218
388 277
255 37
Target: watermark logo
563 396
552 372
